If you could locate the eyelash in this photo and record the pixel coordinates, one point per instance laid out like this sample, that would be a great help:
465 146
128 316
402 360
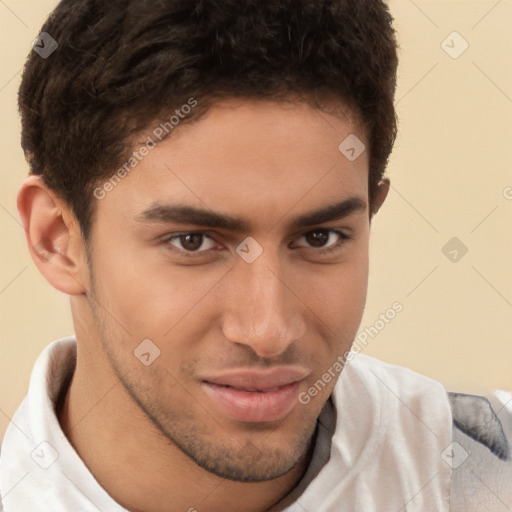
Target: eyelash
193 254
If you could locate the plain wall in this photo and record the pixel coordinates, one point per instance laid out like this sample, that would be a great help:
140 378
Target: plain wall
450 170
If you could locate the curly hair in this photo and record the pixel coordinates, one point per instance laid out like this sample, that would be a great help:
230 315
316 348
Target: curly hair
123 65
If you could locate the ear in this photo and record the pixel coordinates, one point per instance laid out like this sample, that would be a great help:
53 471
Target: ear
53 236
380 196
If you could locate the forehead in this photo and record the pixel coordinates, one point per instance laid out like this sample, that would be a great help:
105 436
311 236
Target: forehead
258 157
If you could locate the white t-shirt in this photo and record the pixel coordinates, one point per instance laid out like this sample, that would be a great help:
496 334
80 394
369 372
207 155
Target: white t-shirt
388 450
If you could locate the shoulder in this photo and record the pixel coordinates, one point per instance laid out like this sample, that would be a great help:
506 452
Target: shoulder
479 451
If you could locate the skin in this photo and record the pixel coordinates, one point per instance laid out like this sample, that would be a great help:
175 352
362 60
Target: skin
150 434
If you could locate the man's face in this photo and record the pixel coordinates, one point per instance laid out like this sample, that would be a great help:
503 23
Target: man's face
240 334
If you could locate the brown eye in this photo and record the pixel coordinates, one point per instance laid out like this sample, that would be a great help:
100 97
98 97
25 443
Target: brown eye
191 242
317 238
323 238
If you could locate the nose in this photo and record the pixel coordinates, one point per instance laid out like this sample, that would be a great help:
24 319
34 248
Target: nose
262 312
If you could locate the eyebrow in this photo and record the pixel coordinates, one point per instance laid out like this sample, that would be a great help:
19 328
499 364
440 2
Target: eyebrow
184 214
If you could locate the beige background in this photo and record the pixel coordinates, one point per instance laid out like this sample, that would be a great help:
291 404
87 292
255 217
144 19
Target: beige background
450 168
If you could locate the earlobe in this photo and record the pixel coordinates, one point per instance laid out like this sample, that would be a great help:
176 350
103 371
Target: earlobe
52 235
380 196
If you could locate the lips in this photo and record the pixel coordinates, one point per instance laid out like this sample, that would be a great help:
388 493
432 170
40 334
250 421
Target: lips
255 396
259 380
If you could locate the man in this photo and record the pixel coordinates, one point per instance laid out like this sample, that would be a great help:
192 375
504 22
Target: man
203 178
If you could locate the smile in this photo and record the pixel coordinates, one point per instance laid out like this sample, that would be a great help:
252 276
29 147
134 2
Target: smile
255 396
253 405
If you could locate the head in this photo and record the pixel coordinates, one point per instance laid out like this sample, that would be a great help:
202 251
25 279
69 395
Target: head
191 187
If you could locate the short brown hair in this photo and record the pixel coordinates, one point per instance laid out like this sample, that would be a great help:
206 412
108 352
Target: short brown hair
122 65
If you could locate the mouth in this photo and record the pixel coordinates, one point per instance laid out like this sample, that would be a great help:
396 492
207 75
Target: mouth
255 397
250 390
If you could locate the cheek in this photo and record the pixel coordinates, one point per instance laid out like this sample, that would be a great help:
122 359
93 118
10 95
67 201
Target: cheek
148 298
124 290
337 294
